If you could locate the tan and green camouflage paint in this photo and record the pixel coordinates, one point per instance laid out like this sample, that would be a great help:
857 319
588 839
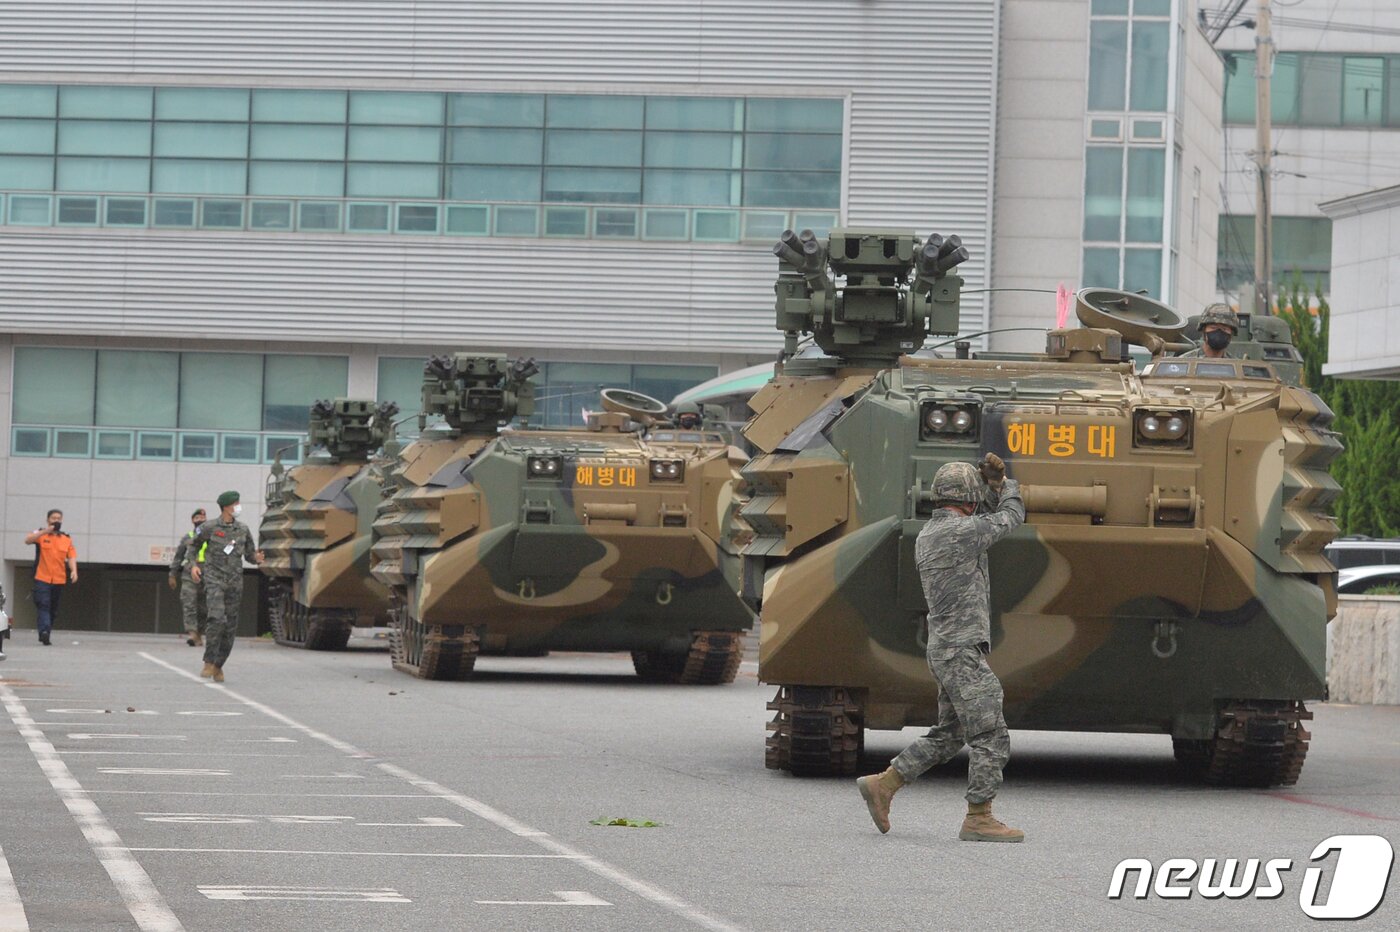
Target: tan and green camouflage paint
318 537
1217 547
558 564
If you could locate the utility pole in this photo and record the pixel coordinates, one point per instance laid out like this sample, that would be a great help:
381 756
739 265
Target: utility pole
1263 159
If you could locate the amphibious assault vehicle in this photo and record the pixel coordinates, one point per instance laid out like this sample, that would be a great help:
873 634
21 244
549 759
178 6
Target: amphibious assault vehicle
1170 575
316 528
609 538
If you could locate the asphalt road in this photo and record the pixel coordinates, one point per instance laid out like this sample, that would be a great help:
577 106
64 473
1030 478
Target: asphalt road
327 791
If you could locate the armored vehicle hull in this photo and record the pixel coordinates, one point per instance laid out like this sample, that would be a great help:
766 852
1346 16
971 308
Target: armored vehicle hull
1169 578
316 530
587 540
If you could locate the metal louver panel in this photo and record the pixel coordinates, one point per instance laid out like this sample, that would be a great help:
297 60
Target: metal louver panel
918 74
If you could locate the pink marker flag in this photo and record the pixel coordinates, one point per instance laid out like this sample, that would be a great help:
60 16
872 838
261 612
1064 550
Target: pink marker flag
1063 296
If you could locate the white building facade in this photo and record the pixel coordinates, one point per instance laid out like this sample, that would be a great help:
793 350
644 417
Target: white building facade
1364 335
211 214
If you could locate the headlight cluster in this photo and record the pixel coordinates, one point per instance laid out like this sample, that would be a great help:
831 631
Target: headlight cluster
667 470
545 467
1163 428
948 422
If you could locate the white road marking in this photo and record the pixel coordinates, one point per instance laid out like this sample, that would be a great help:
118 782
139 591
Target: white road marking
163 772
368 854
140 895
233 818
211 712
12 918
262 795
88 736
276 739
566 898
637 886
316 894
322 776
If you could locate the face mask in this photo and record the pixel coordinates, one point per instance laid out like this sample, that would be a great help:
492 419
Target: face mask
237 510
57 526
199 522
1218 339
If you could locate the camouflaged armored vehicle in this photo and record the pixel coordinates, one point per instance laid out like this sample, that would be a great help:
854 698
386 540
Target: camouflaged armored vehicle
528 540
316 528
1170 576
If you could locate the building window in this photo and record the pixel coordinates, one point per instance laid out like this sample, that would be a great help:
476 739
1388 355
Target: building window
1129 52
174 403
592 150
1124 205
1301 246
1318 89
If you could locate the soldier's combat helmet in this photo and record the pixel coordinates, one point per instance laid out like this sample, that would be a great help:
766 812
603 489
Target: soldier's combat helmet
1219 314
957 482
688 414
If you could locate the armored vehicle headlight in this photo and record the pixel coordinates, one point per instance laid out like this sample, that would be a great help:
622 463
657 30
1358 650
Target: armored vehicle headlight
667 470
1162 429
545 467
948 422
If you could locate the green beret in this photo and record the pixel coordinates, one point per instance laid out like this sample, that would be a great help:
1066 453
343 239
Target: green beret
228 498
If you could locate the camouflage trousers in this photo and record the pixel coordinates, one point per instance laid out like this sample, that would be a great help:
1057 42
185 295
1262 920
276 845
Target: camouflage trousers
192 606
224 598
969 712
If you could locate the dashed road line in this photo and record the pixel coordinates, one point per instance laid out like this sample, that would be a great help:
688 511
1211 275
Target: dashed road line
12 918
368 854
140 895
654 894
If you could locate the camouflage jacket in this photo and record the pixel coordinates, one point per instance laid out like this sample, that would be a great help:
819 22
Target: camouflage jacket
228 546
951 553
185 555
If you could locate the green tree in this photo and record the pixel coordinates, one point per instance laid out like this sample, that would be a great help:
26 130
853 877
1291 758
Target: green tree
1368 418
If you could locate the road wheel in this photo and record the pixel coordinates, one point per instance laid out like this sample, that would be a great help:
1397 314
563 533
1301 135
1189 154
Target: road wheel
1257 743
432 652
818 731
328 628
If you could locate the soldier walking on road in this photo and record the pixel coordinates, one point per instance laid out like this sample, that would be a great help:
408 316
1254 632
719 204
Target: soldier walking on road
229 544
972 511
192 605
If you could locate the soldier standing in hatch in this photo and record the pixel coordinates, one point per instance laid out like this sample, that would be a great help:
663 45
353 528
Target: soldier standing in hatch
230 543
192 604
1218 326
971 512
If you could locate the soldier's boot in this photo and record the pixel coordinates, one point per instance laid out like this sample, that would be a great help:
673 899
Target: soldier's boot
198 639
208 670
980 825
219 678
878 790
189 638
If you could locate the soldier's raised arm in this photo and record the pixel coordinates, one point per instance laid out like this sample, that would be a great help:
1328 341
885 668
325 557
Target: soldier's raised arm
1004 510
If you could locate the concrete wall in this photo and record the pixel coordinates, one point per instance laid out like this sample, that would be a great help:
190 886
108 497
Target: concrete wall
1363 663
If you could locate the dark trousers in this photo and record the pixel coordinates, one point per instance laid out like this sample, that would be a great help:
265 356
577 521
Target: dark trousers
46 599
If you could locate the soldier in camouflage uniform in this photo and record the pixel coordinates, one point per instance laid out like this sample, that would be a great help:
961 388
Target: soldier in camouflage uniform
229 544
1219 320
192 603
972 511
